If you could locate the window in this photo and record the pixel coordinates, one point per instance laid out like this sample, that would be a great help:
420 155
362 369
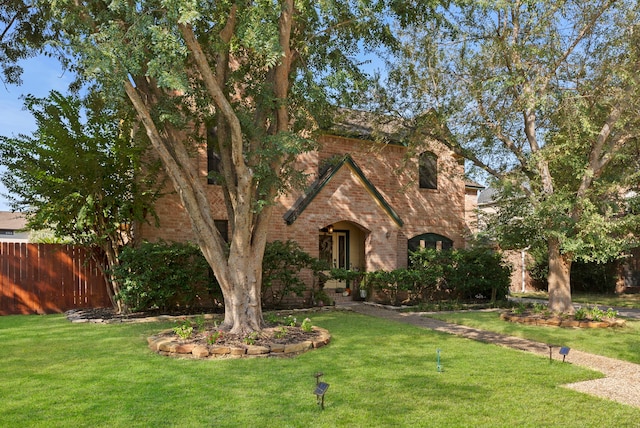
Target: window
213 158
223 228
430 240
428 170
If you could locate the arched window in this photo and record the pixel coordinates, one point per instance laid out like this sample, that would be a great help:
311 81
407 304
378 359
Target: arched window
430 240
428 170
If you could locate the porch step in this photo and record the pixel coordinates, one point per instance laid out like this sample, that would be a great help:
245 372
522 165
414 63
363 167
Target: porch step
341 300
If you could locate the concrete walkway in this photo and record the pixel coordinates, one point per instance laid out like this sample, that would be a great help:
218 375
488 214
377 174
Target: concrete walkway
621 382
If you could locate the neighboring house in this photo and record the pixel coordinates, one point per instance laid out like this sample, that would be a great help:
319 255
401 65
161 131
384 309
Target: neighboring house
487 206
473 190
628 268
367 202
518 259
12 227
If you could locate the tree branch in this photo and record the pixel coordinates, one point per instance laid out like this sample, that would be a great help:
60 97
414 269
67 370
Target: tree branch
583 32
184 181
597 159
221 102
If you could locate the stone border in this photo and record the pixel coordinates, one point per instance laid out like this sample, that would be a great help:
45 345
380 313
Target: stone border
172 347
557 321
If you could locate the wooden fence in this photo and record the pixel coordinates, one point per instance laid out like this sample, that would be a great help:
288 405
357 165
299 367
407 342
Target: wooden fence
48 278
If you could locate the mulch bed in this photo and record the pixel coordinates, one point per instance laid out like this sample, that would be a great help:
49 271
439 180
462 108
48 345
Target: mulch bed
532 318
270 335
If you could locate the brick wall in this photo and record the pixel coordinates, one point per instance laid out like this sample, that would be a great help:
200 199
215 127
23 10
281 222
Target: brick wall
174 220
471 213
344 200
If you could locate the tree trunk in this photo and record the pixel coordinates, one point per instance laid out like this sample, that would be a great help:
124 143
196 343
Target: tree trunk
559 279
245 306
112 262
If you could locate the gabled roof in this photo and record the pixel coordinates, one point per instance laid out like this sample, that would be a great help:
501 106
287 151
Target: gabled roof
488 196
315 188
368 126
12 221
470 184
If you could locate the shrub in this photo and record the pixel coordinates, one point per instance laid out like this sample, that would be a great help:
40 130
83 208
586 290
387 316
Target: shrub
352 278
593 277
479 272
430 265
587 277
388 283
538 267
163 276
466 274
281 268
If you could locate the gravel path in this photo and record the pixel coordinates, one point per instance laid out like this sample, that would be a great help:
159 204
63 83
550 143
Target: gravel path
621 384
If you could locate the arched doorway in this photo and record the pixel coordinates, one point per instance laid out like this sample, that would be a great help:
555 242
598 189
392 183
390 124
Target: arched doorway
341 246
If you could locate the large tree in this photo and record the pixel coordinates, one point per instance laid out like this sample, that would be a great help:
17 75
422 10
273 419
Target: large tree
81 175
21 36
544 97
255 73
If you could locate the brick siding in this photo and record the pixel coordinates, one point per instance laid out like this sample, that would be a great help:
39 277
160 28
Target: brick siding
345 200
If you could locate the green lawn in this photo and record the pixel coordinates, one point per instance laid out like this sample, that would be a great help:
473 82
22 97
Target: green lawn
57 374
620 343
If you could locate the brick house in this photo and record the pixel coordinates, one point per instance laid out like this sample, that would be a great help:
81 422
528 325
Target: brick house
367 201
12 227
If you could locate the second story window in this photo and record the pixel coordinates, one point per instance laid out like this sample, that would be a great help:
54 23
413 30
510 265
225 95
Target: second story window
213 158
428 170
223 228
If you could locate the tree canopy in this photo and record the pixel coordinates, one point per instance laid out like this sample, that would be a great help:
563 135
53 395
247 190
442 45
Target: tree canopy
24 29
258 76
543 97
81 174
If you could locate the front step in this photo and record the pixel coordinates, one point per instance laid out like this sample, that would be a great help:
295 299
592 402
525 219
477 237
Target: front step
341 300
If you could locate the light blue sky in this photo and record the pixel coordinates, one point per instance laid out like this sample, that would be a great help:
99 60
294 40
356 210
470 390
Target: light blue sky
41 75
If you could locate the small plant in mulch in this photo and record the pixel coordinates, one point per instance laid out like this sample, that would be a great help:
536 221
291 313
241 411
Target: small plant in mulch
280 333
251 338
520 309
184 330
538 313
214 337
594 313
306 325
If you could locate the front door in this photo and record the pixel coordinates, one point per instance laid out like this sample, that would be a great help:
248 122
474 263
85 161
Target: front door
334 249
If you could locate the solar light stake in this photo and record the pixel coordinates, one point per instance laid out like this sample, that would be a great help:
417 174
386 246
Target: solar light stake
321 388
439 367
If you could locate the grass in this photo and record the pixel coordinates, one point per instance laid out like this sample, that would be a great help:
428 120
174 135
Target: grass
381 373
619 343
631 301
